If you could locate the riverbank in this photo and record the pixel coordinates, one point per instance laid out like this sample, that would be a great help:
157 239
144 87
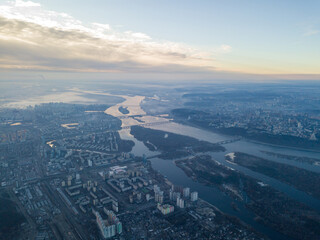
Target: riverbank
212 220
296 177
172 145
209 193
246 137
311 161
273 208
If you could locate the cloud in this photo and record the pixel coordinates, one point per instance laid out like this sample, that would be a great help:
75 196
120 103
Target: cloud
311 32
101 27
19 3
225 48
34 38
138 35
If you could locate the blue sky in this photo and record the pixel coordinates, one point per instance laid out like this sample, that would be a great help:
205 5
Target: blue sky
204 22
267 38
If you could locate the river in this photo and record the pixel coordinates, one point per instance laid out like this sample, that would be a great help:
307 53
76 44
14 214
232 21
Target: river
211 194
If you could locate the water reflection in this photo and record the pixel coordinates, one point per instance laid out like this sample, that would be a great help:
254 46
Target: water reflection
212 194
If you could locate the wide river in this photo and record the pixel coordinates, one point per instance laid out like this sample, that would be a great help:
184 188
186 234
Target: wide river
211 194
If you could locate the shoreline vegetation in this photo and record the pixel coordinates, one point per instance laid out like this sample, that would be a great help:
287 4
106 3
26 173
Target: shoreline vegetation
311 161
251 134
272 207
294 176
123 110
172 145
215 212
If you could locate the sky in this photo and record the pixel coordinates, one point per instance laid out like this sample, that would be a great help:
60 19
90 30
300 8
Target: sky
164 39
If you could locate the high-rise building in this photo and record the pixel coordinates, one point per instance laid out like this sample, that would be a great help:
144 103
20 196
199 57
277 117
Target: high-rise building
89 163
156 188
106 231
165 209
161 199
194 196
158 194
77 176
109 227
158 197
186 192
113 219
175 195
180 202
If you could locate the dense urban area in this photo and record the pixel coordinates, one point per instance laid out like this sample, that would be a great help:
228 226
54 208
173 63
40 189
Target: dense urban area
70 171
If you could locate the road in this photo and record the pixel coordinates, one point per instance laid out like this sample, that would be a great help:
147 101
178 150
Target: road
78 230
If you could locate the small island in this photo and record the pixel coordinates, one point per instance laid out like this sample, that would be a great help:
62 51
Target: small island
123 110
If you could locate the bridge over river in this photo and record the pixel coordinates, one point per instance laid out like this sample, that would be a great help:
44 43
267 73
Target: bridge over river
229 141
166 122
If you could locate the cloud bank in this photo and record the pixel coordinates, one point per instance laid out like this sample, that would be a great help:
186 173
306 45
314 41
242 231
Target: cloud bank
37 42
32 38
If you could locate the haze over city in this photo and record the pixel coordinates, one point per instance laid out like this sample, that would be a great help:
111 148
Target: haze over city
178 120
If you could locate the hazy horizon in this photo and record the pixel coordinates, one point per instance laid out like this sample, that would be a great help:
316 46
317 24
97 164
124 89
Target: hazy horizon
170 41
